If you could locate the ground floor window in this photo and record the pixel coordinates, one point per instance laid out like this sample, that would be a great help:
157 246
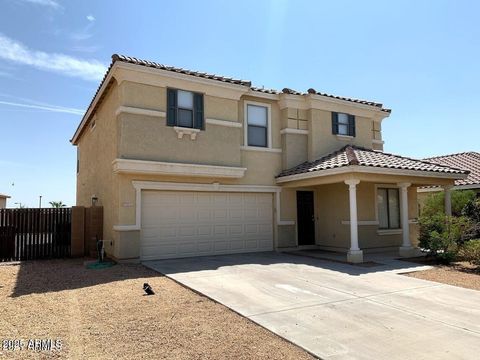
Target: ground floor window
388 208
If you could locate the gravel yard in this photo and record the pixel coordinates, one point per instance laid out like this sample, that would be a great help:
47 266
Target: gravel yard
102 314
458 274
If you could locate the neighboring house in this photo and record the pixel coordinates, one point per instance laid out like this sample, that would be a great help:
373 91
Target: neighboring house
466 160
186 164
3 201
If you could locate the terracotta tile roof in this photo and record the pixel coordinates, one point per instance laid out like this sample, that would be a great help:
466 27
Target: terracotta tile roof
354 155
364 102
314 92
466 160
132 60
151 64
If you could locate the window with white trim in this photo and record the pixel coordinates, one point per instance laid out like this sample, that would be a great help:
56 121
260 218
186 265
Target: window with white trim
257 122
388 202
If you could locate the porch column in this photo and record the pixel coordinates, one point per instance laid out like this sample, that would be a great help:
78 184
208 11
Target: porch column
448 199
406 250
355 255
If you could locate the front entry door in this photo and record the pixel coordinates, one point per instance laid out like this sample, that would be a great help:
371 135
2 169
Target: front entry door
305 218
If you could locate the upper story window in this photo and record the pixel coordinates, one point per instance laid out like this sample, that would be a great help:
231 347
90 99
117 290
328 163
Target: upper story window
185 109
257 125
343 124
388 208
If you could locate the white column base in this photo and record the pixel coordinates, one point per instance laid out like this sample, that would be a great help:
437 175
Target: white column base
355 256
409 251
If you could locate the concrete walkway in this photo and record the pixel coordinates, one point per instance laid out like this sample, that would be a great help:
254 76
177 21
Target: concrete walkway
340 311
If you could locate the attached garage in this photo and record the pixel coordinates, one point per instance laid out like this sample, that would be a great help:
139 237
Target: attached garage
179 224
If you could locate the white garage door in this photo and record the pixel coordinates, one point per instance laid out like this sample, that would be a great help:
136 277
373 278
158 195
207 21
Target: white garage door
181 224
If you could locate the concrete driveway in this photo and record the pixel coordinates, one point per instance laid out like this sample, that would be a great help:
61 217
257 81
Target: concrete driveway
340 311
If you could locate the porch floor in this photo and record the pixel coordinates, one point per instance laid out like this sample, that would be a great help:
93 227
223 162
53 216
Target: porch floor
390 257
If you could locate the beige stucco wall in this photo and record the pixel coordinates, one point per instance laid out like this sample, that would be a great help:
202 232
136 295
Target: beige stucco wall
97 149
143 96
149 138
322 141
3 203
295 150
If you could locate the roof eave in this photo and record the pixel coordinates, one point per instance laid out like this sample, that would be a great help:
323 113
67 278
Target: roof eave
93 104
367 170
379 108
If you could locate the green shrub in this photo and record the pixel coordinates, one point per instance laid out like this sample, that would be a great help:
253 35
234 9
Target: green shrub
472 210
441 235
435 202
427 225
470 251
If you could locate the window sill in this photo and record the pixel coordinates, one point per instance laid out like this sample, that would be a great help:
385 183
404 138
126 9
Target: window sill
259 148
186 131
389 231
345 137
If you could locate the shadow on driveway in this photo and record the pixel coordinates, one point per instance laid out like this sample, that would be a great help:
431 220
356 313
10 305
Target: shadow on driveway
206 263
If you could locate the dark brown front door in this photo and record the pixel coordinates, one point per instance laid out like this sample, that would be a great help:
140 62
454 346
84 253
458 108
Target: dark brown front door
305 218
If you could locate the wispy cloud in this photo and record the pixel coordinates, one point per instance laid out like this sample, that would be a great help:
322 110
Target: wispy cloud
67 65
86 48
48 3
46 107
85 33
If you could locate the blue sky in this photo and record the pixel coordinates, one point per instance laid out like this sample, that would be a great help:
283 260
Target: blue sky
419 58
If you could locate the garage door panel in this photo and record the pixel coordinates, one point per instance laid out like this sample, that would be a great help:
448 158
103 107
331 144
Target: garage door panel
205 230
235 230
236 214
237 244
204 214
220 246
180 224
220 199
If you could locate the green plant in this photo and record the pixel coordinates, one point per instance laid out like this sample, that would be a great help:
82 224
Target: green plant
441 235
472 210
427 225
470 251
57 204
435 202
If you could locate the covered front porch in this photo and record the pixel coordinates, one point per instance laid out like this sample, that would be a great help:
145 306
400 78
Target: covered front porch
354 201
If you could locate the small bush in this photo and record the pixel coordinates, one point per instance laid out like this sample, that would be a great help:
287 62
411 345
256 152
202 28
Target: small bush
470 251
435 202
472 210
428 224
441 236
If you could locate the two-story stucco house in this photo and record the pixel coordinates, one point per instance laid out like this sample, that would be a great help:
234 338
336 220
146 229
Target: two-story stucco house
187 164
